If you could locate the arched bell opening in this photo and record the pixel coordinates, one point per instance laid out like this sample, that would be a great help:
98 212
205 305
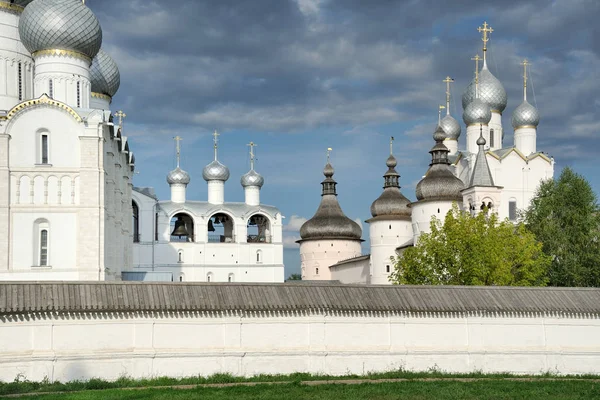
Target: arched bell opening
259 229
220 229
182 228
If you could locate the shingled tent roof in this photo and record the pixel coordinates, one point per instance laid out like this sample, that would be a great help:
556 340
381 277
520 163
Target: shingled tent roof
23 298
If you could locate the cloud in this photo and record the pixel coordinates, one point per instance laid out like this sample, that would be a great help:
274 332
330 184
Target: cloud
289 242
294 224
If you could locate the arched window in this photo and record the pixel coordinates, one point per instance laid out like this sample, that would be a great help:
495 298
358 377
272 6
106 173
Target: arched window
492 139
317 271
43 147
209 277
51 88
182 228
42 243
136 222
180 256
259 257
230 278
220 229
512 210
259 229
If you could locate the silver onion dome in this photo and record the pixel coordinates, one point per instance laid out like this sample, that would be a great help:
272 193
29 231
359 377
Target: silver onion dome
215 171
178 176
252 178
330 222
60 24
525 115
477 112
491 91
451 127
104 74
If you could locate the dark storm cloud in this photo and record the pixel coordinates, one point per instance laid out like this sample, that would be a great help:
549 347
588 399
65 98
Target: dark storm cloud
283 65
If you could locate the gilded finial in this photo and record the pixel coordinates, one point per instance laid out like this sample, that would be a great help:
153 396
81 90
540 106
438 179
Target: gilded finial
177 140
392 145
448 81
252 145
525 64
476 59
329 150
121 115
485 30
216 142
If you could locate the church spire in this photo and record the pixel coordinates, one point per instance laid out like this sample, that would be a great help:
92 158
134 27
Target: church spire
476 59
448 81
481 170
525 63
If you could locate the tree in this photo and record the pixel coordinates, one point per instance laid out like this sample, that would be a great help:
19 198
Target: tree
564 216
473 250
294 277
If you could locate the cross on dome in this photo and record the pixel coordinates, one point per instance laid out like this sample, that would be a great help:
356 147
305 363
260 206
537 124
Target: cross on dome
485 29
216 142
177 140
121 115
252 145
525 63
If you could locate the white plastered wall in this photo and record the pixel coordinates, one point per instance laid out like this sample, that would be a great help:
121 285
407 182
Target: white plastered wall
317 256
385 237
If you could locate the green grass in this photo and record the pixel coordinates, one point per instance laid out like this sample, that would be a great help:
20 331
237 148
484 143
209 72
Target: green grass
484 389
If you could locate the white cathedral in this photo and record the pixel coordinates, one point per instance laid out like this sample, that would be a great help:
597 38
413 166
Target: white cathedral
487 175
68 208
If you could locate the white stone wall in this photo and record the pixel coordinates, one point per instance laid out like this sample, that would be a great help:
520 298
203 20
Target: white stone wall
141 346
352 272
385 237
317 256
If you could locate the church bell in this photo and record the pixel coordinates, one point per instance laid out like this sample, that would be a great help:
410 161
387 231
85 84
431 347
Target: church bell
180 229
211 227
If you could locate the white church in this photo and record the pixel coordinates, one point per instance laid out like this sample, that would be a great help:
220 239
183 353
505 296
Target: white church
487 174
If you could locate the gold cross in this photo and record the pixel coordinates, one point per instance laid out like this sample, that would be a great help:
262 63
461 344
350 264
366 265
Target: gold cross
329 150
252 146
476 59
448 81
485 30
177 140
525 63
121 115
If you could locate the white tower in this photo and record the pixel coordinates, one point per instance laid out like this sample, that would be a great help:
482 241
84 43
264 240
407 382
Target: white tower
216 174
329 236
178 179
438 190
63 36
16 63
525 120
449 124
390 226
252 181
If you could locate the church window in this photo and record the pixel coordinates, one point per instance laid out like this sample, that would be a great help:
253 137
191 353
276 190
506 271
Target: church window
512 210
438 210
316 271
390 227
387 269
230 278
180 278
136 222
180 256
209 277
78 94
492 138
51 88
44 247
44 146
20 72
259 256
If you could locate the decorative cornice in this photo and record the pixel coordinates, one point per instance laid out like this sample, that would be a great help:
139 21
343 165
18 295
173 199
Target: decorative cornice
497 112
525 126
11 7
102 96
43 100
62 53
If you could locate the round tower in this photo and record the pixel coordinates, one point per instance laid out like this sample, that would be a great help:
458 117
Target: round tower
329 236
16 63
252 181
63 37
390 226
525 120
438 190
216 174
105 80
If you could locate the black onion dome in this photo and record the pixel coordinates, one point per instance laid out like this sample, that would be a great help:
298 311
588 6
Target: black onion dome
391 204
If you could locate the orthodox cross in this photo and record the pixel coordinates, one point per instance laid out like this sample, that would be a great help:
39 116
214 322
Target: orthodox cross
485 30
525 63
121 115
177 140
329 150
448 81
476 59
216 142
392 145
252 159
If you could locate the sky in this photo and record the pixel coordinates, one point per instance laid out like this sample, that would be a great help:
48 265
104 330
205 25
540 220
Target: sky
299 76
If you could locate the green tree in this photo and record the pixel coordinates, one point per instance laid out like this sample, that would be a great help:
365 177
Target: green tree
467 250
294 277
564 216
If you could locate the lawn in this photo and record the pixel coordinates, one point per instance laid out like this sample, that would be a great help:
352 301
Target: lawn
546 389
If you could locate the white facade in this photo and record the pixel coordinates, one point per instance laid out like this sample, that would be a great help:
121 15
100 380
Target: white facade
385 238
144 345
316 256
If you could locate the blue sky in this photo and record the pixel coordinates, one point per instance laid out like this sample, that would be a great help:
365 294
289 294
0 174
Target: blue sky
299 76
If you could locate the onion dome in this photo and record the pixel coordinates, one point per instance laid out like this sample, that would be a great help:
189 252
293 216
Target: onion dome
525 115
392 202
215 171
451 127
60 24
178 177
252 178
491 91
477 112
104 74
439 183
329 222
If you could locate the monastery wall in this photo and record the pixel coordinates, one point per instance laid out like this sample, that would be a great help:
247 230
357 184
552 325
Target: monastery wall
67 346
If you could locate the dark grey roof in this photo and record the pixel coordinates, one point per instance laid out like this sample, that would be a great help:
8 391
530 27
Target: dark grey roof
481 175
352 260
147 191
28 297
